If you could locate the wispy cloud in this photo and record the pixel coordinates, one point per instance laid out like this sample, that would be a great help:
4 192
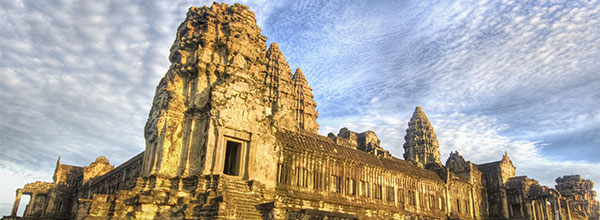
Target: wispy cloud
78 80
78 77
493 76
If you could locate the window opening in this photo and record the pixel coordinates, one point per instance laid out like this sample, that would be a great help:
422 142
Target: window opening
232 158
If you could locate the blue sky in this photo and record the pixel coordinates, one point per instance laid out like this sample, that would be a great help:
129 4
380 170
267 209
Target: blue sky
493 76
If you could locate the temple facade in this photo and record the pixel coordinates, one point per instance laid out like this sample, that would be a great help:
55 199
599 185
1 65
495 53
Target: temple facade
233 134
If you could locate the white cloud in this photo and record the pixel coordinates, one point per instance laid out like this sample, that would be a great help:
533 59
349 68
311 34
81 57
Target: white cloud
478 138
19 176
78 80
512 77
78 77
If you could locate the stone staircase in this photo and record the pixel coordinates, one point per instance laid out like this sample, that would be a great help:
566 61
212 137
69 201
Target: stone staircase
239 198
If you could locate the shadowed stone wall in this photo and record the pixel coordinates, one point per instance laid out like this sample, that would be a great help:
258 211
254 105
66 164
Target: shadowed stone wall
232 134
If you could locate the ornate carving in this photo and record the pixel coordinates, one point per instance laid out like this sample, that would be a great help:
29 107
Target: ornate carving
582 198
421 146
306 113
232 134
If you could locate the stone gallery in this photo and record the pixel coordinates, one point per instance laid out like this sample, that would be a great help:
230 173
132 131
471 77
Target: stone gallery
232 134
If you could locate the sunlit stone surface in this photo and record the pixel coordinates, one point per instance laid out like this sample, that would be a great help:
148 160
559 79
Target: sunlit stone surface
232 134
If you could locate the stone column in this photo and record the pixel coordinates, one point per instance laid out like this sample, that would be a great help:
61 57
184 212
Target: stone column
556 209
448 207
396 196
533 210
472 203
542 208
417 197
545 208
522 209
538 210
504 203
15 208
30 205
568 209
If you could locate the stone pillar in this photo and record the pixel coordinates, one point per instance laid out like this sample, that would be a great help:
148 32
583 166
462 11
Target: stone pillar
504 203
45 207
522 206
568 209
396 196
538 210
15 208
533 210
29 206
542 207
545 209
556 209
472 203
448 207
417 197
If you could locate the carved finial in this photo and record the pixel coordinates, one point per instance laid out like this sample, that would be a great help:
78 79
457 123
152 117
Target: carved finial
274 48
418 109
102 159
298 75
505 157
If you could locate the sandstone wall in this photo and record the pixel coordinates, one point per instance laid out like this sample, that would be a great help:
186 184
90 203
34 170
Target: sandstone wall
306 113
278 79
215 83
582 198
99 167
121 178
314 173
232 134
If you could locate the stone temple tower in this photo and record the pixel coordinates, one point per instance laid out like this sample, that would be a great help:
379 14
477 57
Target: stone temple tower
278 79
215 100
306 114
421 146
215 110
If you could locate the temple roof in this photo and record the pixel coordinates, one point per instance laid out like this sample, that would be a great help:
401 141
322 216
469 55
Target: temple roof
124 165
488 165
491 166
318 144
71 166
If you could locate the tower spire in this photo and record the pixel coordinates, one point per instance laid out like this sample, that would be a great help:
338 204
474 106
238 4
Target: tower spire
421 145
278 79
306 114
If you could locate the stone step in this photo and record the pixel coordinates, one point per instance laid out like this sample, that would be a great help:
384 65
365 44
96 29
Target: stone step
243 187
249 215
243 195
244 201
239 194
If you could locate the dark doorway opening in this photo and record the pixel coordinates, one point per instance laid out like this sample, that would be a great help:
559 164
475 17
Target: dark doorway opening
232 158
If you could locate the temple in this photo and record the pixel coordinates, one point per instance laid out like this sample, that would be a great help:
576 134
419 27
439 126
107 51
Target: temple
233 134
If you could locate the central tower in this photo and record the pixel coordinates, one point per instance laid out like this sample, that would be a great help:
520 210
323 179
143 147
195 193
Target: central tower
225 94
421 146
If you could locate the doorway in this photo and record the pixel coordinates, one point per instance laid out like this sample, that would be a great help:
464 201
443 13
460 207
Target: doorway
232 158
